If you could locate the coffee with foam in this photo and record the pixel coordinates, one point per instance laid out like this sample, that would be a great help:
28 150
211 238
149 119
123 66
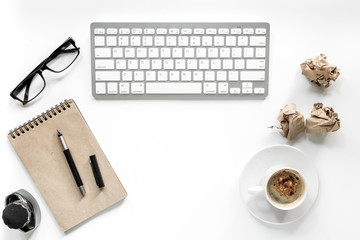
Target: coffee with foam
285 188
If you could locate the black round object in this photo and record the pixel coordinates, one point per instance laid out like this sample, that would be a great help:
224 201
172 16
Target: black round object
15 216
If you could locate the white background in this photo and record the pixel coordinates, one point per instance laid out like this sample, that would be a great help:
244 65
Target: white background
180 161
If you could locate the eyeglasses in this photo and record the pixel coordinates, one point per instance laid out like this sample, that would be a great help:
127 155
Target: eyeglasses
34 83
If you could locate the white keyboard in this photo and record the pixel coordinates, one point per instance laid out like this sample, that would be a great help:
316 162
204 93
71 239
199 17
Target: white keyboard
180 60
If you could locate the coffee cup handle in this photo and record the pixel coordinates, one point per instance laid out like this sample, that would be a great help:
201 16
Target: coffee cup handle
255 190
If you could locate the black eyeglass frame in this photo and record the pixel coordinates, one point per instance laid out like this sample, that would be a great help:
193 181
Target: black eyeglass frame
26 82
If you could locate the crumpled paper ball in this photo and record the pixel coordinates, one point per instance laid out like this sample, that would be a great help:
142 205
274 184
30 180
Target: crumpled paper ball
320 71
291 121
322 120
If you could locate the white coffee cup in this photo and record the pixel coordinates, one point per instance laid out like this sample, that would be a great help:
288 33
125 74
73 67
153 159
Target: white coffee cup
262 188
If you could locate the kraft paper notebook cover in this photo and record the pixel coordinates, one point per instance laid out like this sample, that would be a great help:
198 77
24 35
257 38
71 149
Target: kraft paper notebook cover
41 152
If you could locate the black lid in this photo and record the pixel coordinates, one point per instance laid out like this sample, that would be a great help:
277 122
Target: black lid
15 216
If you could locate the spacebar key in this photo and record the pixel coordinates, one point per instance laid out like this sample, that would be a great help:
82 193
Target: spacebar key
173 88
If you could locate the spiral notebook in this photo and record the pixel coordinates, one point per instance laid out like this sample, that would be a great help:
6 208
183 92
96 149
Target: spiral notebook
41 152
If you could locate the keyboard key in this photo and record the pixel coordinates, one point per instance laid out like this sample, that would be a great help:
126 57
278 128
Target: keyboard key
100 88
192 64
156 64
168 64
230 41
260 31
233 76
137 88
153 52
227 64
177 53
248 52
147 41
224 52
111 31
213 52
180 64
248 31
204 64
161 31
247 90
235 91
124 31
136 31
111 41
259 90
173 88
141 52
207 41
183 41
185 76
209 76
252 75
144 64
129 52
215 64
211 31
236 52
124 41
124 88
135 41
104 64
189 53
186 31
219 41
107 75
243 41
99 31
133 64
236 31
255 64
139 76
257 41
99 41
117 52
174 31
199 31
162 76
102 52
260 52
239 64
198 75
159 41
201 52
221 75
112 88
121 64
149 31
165 52
127 76
195 41
150 76
170 41
247 84
224 31
209 88
174 76
223 88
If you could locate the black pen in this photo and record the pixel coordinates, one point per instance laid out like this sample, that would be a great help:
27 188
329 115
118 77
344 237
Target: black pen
71 164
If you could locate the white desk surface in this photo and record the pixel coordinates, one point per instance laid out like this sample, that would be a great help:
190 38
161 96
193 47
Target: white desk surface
180 161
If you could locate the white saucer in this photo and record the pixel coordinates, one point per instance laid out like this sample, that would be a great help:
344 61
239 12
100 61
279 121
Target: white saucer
254 171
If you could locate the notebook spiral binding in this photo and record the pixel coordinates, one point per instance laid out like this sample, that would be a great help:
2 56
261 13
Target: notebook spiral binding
39 119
